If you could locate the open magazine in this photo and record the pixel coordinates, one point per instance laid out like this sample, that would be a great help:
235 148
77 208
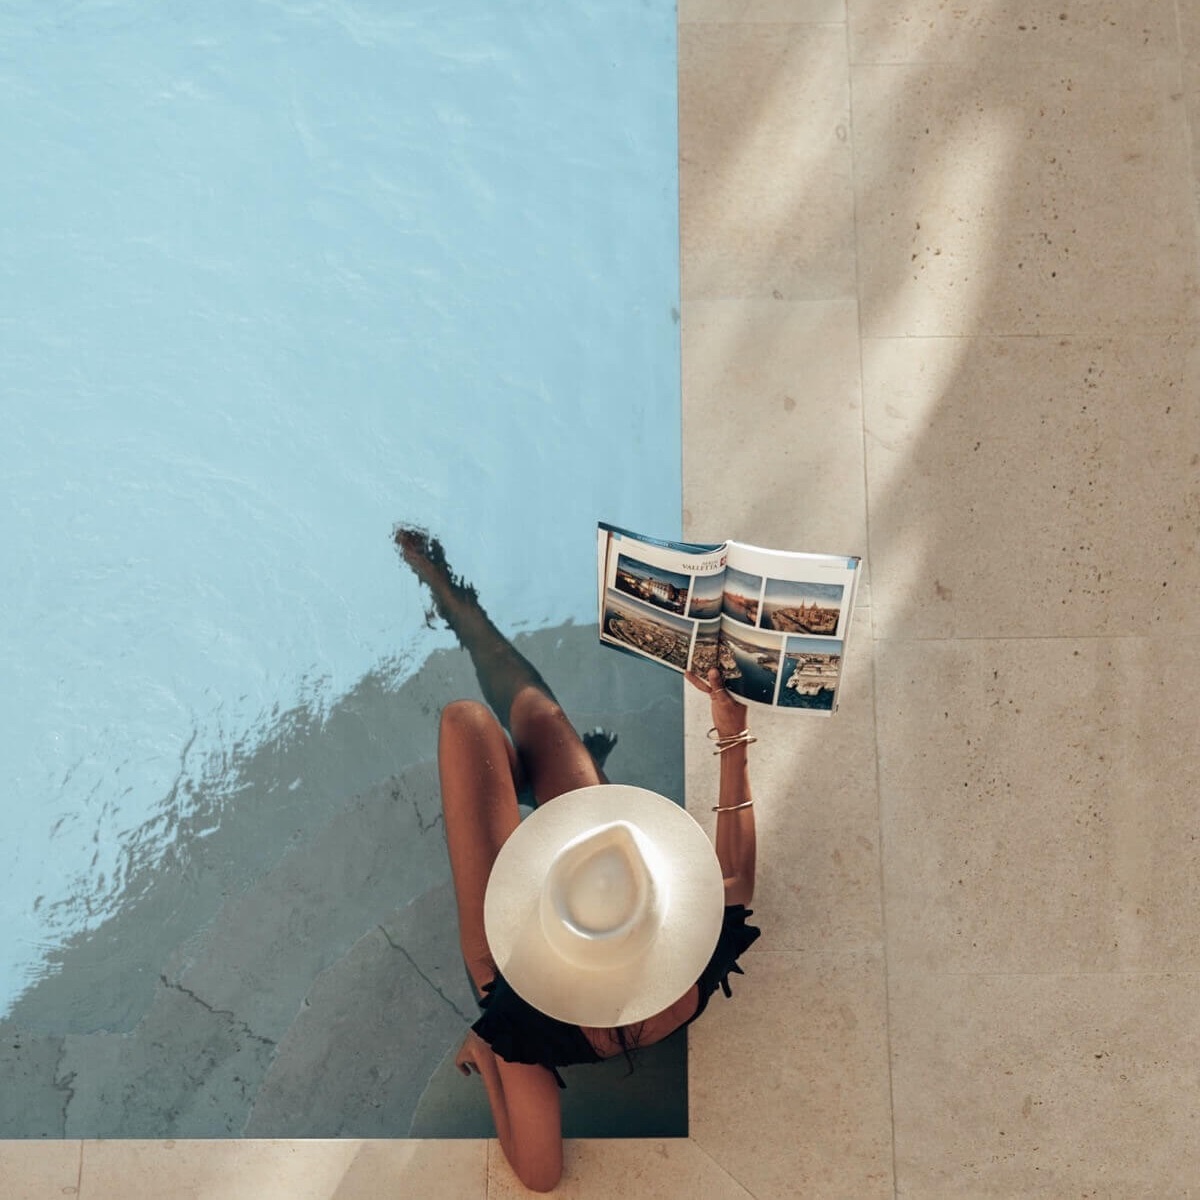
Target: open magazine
774 621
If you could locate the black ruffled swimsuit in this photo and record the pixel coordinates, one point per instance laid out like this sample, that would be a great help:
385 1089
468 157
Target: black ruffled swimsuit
519 1033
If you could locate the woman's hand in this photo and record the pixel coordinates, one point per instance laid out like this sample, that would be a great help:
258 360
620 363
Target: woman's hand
465 1060
525 1106
728 713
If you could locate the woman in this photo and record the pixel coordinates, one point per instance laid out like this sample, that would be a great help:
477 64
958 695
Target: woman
516 1047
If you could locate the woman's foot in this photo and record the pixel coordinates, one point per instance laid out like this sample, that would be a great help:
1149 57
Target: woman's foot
502 671
425 556
599 743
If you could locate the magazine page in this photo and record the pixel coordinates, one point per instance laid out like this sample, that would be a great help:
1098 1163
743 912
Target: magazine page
660 600
784 622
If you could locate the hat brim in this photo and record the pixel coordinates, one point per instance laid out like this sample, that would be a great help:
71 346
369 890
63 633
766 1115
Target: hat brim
690 918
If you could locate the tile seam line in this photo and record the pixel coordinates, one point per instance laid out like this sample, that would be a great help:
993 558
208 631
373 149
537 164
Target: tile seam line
755 25
1041 637
1189 121
864 950
679 305
880 856
1112 58
1119 973
985 335
724 1170
1092 334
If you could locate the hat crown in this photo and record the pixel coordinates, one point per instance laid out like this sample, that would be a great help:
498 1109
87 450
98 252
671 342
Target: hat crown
600 900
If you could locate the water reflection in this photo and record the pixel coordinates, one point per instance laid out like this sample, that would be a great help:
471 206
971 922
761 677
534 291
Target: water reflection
251 977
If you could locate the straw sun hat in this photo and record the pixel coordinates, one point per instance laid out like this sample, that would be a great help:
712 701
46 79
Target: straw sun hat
603 906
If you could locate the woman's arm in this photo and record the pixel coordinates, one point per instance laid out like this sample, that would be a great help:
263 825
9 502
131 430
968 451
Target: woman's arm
526 1109
735 842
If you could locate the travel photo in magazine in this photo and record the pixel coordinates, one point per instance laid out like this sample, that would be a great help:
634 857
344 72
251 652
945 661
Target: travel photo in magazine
774 621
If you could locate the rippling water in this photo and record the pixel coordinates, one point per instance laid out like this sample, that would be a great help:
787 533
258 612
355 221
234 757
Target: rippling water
286 273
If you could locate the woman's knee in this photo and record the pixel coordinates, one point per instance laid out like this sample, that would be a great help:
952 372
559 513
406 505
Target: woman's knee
537 717
467 717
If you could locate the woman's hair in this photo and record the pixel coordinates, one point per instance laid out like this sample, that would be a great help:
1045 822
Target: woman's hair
629 1038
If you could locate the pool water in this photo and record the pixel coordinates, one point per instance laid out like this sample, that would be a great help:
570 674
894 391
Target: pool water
274 276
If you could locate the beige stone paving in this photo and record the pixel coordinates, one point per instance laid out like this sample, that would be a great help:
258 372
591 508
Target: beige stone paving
790 1082
939 279
1046 1085
1033 487
621 1169
37 1170
765 186
283 1170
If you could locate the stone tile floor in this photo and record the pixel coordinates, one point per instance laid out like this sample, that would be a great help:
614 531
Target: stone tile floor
939 281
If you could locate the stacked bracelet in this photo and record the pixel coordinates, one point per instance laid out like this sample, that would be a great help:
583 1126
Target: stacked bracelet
732 807
741 738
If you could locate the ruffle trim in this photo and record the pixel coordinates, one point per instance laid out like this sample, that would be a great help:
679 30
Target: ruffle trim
735 939
520 1033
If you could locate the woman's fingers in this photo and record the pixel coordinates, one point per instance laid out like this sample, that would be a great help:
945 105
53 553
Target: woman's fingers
713 683
464 1060
727 710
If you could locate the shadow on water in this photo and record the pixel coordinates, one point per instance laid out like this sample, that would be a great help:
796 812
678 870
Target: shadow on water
288 965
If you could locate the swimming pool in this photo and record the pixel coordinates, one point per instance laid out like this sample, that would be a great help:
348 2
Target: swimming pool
276 275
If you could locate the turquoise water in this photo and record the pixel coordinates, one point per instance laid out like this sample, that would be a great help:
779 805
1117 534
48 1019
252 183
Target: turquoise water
273 276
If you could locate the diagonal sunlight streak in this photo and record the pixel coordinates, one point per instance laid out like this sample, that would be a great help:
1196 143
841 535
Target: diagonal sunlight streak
952 255
951 208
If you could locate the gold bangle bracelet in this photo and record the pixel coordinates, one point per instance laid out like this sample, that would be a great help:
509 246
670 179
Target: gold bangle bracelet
746 741
742 738
741 733
732 807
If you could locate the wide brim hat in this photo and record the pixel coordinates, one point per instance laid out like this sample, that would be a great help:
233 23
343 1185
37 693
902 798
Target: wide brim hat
604 905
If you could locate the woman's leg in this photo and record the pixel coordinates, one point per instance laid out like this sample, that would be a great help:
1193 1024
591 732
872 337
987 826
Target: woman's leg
551 753
479 807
